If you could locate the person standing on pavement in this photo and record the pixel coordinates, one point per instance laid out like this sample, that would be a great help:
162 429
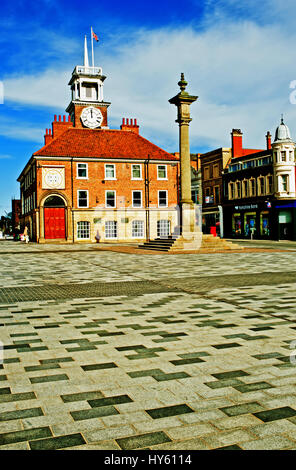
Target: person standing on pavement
26 235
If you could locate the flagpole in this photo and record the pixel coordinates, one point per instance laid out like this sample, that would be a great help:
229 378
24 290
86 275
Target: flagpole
92 47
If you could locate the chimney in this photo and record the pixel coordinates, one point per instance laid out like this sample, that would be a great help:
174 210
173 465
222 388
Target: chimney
268 140
47 137
237 143
59 126
130 125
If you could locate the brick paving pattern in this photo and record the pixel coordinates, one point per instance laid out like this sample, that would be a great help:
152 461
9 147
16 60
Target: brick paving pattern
117 351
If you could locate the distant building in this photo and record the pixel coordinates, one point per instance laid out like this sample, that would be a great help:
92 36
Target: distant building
259 191
15 213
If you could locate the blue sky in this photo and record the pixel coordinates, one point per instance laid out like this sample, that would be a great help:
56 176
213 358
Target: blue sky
238 57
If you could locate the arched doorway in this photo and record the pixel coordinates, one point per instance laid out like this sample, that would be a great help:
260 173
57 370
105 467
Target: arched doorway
54 218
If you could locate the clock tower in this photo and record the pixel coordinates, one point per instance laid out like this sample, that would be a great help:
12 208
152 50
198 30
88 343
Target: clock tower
88 108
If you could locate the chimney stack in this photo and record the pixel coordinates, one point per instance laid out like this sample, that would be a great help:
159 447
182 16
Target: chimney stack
129 125
237 143
268 140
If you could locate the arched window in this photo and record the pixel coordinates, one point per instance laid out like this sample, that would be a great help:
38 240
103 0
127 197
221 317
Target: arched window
54 201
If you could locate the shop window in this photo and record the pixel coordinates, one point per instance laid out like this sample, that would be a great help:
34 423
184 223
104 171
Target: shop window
250 224
264 224
237 225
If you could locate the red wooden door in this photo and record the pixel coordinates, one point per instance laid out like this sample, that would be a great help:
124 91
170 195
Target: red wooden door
54 222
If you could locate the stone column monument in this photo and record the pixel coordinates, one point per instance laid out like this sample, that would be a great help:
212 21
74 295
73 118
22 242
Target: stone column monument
189 229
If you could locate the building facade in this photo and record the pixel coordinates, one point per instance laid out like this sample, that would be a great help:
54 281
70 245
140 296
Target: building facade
212 165
259 191
89 183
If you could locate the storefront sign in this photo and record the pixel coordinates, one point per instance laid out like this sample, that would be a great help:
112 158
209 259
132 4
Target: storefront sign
249 206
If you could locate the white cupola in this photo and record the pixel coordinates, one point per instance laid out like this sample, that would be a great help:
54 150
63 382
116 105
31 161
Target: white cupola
283 149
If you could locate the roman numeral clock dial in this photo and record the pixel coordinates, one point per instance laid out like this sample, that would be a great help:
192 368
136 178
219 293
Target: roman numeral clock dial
91 117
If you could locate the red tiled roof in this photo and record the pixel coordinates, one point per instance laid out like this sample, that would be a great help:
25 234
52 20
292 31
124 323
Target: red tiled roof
103 144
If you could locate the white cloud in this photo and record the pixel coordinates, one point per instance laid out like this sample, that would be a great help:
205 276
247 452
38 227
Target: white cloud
5 157
241 71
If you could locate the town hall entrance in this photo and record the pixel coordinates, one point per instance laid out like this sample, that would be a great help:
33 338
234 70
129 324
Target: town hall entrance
54 218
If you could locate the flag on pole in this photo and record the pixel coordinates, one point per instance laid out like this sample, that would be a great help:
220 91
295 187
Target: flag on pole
95 36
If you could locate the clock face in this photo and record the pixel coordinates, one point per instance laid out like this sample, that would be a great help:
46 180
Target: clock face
91 117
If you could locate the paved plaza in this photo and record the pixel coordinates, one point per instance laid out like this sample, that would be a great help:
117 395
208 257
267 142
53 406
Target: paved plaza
121 351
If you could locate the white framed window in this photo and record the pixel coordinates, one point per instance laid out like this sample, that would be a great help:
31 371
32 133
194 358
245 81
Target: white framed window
137 229
245 188
261 186
269 184
83 230
110 197
238 189
163 228
161 172
284 183
82 197
111 229
82 170
163 198
136 172
252 187
231 191
137 198
110 173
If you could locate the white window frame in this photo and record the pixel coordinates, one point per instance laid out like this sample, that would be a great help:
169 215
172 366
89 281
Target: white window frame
77 168
142 230
107 232
87 203
110 191
87 231
110 178
137 191
282 190
136 178
166 172
160 228
163 191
